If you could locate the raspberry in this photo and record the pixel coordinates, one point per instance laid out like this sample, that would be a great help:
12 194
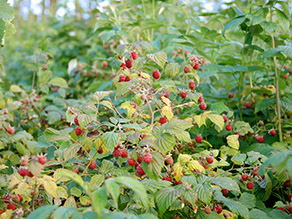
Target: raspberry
11 207
129 63
156 74
250 185
192 85
210 160
117 152
225 118
122 78
225 192
29 174
200 100
203 106
169 160
76 120
196 66
287 183
147 158
134 55
273 132
140 170
42 160
231 95
127 79
124 154
178 182
228 127
184 94
92 165
198 138
166 94
219 209
163 120
167 178
244 177
105 46
247 104
131 161
186 70
22 172
78 131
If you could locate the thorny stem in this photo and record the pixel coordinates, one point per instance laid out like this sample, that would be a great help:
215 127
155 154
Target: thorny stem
152 113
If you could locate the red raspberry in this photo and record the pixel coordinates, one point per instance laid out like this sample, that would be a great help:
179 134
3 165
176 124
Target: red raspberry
11 207
76 170
231 95
286 76
184 94
20 198
122 78
78 131
129 63
203 106
123 66
273 132
76 120
244 177
219 209
225 118
156 74
139 159
42 160
134 55
100 151
29 174
228 127
117 152
167 178
131 161
250 185
105 64
225 192
92 165
196 66
163 120
247 104
105 46
140 170
10 130
209 160
192 85
255 172
166 94
147 158
287 183
200 100
178 182
124 154
127 79
198 138
186 70
22 172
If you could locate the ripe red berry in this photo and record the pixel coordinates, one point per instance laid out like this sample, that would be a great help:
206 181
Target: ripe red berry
247 104
100 151
203 106
200 100
140 170
124 154
287 183
218 209
92 165
169 160
42 160
192 85
139 159
134 55
163 120
272 132
143 136
78 131
186 70
178 182
122 78
105 46
184 94
231 95
198 138
290 197
196 66
250 185
22 172
156 74
10 130
11 207
228 127
147 158
210 160
123 66
290 211
127 79
129 63
76 170
290 72
134 105
20 198
255 172
166 94
286 76
261 139
282 209
225 118
244 177
167 178
131 161
76 121
117 152
88 75
45 67
29 174
105 64
225 192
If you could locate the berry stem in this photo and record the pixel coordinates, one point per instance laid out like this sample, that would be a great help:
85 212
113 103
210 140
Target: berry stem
152 113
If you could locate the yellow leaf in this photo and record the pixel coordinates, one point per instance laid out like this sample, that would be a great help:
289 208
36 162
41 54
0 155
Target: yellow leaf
166 101
144 75
200 119
232 141
14 180
177 171
50 186
167 111
62 192
129 107
184 158
195 165
100 143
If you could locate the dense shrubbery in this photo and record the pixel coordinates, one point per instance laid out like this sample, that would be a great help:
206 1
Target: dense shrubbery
145 118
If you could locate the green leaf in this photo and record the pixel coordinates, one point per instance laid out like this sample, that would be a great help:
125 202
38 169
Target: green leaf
63 213
234 206
165 197
239 159
225 183
54 117
99 95
217 120
176 125
234 24
249 200
6 11
71 151
287 50
257 214
203 215
60 82
271 52
183 136
112 140
232 141
283 19
286 103
204 192
136 186
172 69
165 143
43 212
64 175
160 58
106 166
153 169
113 189
85 119
153 185
75 191
242 128
276 213
219 107
99 200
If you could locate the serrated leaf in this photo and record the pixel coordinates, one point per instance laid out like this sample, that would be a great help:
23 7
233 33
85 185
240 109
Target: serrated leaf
177 171
200 119
172 69
176 125
63 175
71 151
165 197
75 191
217 120
50 186
204 192
232 141
99 95
183 136
43 212
194 165
165 143
167 112
234 24
113 189
160 58
225 183
239 159
99 200
63 213
111 140
153 169
249 200
60 82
